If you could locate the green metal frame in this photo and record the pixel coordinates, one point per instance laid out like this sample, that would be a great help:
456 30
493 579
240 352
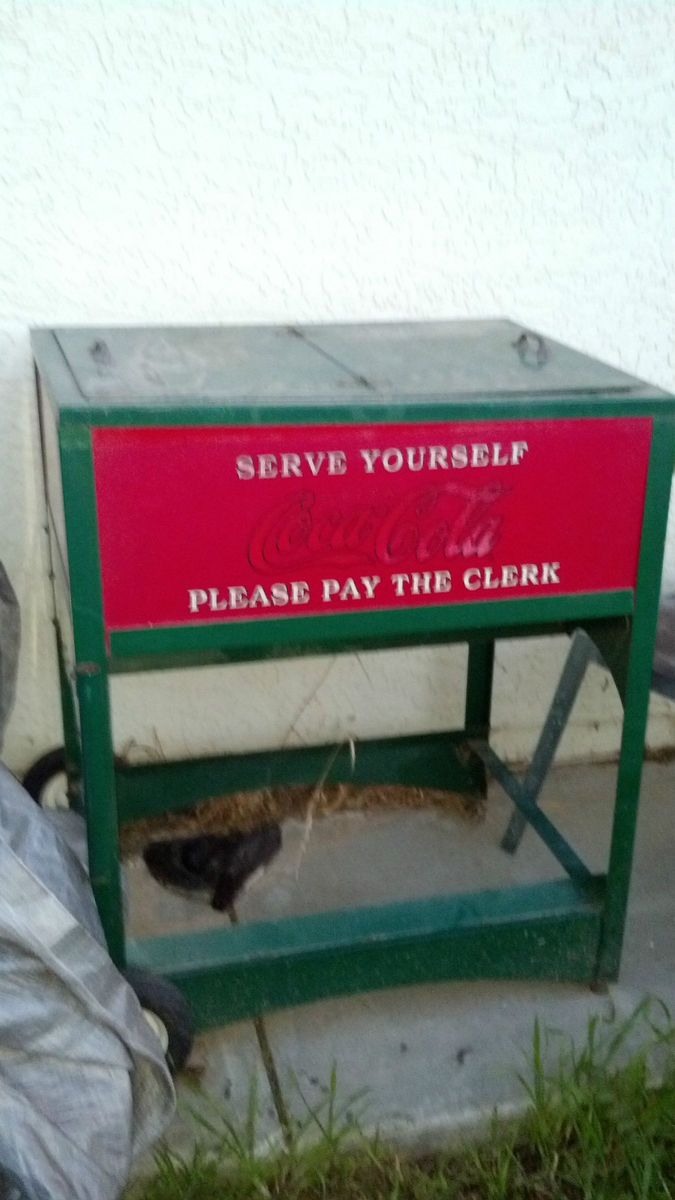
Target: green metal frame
571 929
581 653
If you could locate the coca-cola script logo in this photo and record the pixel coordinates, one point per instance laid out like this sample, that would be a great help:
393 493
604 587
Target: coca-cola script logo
445 522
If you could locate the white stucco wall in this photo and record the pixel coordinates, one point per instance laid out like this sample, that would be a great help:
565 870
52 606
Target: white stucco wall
259 160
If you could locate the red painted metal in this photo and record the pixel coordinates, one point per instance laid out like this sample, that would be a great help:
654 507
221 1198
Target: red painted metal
212 524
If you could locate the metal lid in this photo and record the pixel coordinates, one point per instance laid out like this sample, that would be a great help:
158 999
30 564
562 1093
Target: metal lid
326 363
214 363
461 357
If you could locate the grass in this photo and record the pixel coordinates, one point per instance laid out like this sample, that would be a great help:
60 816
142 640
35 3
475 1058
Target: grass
596 1129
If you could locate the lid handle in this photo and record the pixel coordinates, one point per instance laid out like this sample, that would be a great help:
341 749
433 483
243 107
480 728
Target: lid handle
531 350
100 352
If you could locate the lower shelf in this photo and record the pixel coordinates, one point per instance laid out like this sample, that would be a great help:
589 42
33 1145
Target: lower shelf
422 760
545 931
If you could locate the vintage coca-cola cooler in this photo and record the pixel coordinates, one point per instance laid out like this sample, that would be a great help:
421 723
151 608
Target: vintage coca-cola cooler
229 494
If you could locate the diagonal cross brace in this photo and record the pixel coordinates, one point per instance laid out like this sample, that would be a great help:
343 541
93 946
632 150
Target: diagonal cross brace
525 792
531 814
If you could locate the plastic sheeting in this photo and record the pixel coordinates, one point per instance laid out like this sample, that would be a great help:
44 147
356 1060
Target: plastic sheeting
84 1086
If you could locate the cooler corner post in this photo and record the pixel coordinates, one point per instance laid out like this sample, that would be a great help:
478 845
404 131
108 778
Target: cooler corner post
71 737
480 670
92 686
636 699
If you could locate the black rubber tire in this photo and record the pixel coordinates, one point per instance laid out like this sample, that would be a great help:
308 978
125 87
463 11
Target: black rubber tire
42 771
168 1003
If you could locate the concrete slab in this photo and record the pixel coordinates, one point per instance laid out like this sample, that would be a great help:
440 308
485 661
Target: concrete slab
354 859
649 949
226 1068
226 1076
436 1060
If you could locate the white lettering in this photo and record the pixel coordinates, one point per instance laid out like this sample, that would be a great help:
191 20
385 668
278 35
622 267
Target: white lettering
349 591
509 577
279 594
362 589
245 468
370 584
370 457
267 466
399 582
529 574
300 592
290 465
337 462
215 603
259 597
197 597
238 597
314 461
392 460
420 583
410 457
471 579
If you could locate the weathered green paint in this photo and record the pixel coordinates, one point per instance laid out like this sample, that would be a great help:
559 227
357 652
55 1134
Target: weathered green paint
480 669
407 409
581 653
613 642
285 637
77 472
426 760
71 738
549 931
536 819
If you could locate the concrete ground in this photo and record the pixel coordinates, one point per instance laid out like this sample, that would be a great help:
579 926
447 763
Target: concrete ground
434 1060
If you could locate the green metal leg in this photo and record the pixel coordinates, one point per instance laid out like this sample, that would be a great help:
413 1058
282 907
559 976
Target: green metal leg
636 705
479 688
612 639
71 736
627 793
91 675
99 795
625 813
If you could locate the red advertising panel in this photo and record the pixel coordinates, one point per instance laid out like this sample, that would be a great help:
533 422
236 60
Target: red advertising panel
218 524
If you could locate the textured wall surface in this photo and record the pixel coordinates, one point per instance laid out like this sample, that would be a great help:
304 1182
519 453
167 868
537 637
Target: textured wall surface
191 162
